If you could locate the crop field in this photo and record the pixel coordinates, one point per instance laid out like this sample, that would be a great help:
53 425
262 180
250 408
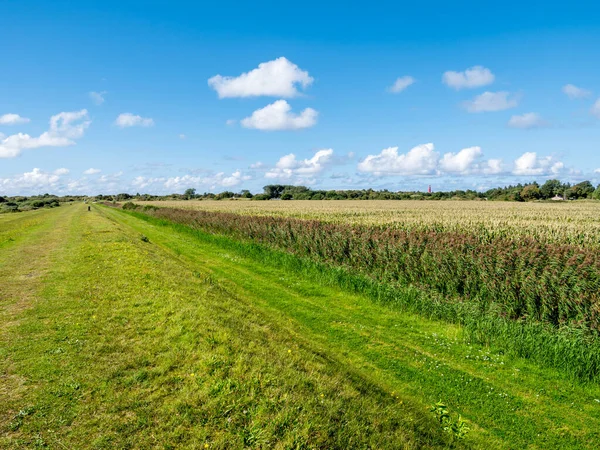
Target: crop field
577 222
301 325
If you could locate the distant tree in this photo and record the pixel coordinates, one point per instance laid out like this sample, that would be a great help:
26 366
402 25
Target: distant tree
224 195
123 196
287 196
530 192
596 194
190 193
246 194
551 188
273 190
584 189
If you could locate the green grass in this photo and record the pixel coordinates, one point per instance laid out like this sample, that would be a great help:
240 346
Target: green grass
185 339
126 346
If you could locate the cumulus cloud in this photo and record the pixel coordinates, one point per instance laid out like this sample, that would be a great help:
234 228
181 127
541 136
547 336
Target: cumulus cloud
473 77
595 110
531 164
13 119
217 180
461 162
277 78
491 101
277 116
401 84
64 128
91 171
31 183
126 120
141 182
574 92
492 167
289 167
97 97
424 160
527 120
420 160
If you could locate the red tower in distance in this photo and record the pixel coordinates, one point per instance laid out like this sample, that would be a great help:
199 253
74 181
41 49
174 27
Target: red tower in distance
429 190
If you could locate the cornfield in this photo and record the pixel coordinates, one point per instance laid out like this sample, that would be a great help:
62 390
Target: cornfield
575 223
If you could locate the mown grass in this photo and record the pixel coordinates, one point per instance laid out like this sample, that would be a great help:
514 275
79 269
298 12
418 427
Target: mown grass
510 402
124 345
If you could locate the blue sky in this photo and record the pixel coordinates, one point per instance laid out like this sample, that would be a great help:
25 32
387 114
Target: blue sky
108 97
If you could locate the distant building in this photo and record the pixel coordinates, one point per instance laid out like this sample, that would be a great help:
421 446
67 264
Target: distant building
557 198
429 189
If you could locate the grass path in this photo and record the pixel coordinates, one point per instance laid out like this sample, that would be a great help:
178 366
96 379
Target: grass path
118 344
182 342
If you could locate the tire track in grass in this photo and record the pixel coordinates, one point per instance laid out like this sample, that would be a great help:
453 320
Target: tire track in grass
23 265
511 399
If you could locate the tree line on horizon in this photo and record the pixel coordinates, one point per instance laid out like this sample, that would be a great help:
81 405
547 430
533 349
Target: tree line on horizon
516 193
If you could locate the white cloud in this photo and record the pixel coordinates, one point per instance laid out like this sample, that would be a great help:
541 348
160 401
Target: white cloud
597 170
492 167
97 97
64 128
111 179
527 120
126 120
91 171
574 92
13 119
461 162
31 183
473 77
277 116
277 78
530 164
288 166
424 160
232 180
491 101
257 165
142 182
230 122
401 84
595 110
182 136
186 181
420 160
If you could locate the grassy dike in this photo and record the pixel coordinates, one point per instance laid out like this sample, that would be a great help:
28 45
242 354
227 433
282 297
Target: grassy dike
187 340
123 345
